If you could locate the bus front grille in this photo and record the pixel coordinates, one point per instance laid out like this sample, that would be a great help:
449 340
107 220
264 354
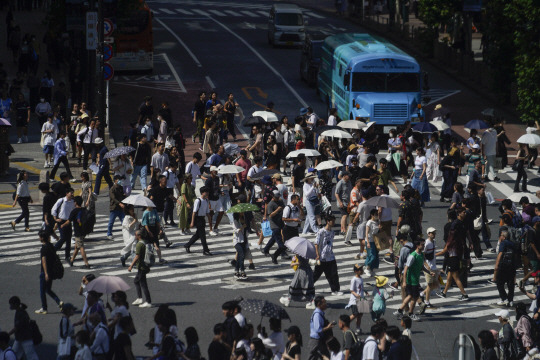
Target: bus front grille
387 111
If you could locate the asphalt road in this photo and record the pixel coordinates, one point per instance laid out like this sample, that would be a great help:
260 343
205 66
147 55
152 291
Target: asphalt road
226 49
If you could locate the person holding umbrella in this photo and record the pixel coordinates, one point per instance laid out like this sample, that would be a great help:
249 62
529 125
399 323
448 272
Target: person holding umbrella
302 286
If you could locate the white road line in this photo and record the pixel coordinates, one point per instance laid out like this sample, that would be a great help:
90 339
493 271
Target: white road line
291 89
249 13
166 11
312 14
200 12
181 42
263 13
155 12
210 82
185 12
175 74
233 13
444 97
218 13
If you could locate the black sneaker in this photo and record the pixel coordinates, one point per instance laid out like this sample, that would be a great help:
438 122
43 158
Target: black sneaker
464 297
243 276
237 275
187 249
441 294
274 260
497 180
123 261
251 266
348 243
207 253
388 260
232 262
168 244
492 282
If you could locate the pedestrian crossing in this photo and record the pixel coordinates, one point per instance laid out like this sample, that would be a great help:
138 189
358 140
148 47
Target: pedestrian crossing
252 12
22 249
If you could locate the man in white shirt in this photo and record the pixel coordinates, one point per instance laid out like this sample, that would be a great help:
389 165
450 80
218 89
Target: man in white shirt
148 130
61 211
201 208
332 120
172 182
100 346
49 131
86 138
160 160
193 168
489 150
252 184
371 345
429 255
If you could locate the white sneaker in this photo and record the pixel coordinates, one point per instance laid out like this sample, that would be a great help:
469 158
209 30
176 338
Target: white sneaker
145 305
337 293
310 305
213 233
46 165
367 273
110 237
19 141
285 301
139 301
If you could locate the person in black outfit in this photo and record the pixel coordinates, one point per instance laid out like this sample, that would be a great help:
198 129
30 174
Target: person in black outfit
166 113
23 344
218 348
141 162
198 117
47 255
233 330
122 343
49 199
298 173
146 109
159 194
502 141
60 188
367 171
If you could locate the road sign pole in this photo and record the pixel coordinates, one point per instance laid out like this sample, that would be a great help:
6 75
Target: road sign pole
102 95
107 103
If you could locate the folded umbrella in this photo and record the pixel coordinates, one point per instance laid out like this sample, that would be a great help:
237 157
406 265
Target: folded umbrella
243 207
230 169
268 116
329 164
424 128
352 124
306 152
476 124
107 284
122 150
138 200
301 247
264 308
382 201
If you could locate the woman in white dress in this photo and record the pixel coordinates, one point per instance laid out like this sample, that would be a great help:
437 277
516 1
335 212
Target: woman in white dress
130 224
433 156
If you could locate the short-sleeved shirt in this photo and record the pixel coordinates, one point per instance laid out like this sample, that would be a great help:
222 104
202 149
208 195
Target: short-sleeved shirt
457 198
534 239
47 251
48 202
428 249
343 190
371 349
419 162
348 340
160 161
276 221
415 262
294 350
474 176
325 242
291 212
357 285
159 195
150 218
200 207
194 170
22 108
489 140
140 250
384 177
298 174
74 218
365 173
213 188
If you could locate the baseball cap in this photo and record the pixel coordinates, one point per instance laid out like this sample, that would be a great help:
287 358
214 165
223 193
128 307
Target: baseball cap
476 146
431 230
213 168
276 193
505 314
303 111
276 176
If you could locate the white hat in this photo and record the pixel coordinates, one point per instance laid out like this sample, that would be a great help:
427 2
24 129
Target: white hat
505 314
476 146
213 168
98 140
431 230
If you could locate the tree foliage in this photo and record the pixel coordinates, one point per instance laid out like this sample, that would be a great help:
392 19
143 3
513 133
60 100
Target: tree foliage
436 13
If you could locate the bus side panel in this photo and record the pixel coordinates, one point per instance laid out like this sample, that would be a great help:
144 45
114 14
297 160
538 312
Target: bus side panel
325 75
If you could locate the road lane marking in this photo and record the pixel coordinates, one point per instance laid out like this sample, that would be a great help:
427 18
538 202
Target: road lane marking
263 13
175 74
166 11
200 12
312 14
181 42
210 82
215 12
249 13
185 12
233 13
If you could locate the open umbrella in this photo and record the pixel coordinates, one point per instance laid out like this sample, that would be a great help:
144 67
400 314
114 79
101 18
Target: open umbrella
122 150
515 197
476 124
4 122
243 207
253 120
268 116
301 247
340 134
440 125
491 112
382 201
264 308
231 149
424 128
230 169
440 111
138 200
529 139
306 152
352 124
329 164
320 129
107 284
265 172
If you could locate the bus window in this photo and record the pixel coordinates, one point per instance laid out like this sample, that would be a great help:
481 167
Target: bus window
385 82
402 82
289 19
368 82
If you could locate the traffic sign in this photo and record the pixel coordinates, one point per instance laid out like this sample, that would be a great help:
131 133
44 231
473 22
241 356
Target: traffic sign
107 52
108 71
108 27
91 32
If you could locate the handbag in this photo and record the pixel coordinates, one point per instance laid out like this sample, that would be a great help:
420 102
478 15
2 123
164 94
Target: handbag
477 223
364 305
265 226
382 241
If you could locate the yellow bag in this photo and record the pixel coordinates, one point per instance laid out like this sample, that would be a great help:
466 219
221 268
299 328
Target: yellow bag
441 281
295 259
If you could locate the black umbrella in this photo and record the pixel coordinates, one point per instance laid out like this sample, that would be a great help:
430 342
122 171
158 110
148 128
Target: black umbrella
265 172
264 308
491 112
254 120
320 129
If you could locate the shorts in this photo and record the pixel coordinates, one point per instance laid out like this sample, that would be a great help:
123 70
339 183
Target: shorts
343 211
452 264
215 205
432 280
79 242
354 310
48 149
413 290
22 123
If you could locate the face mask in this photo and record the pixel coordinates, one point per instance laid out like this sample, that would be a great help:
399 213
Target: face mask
79 346
42 100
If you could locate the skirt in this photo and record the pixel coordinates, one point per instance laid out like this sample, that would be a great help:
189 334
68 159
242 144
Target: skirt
302 287
421 185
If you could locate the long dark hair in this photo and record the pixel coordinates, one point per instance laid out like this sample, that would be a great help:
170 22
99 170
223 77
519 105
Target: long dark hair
20 176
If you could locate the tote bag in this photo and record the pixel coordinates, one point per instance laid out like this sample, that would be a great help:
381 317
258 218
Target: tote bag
265 225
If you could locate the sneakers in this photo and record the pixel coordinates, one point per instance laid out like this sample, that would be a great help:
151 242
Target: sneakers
492 282
441 294
168 244
236 275
348 243
243 276
251 266
337 293
25 138
497 179
491 250
193 138
207 253
19 141
414 317
41 311
394 286
310 305
182 232
232 262
511 304
162 261
123 261
110 237
139 301
502 303
213 233
423 308
367 273
398 314
388 260
13 223
464 297
274 260
285 301
145 305
72 181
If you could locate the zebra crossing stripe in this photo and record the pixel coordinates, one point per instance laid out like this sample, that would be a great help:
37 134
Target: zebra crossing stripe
166 11
184 12
215 12
312 14
200 12
233 13
263 13
249 13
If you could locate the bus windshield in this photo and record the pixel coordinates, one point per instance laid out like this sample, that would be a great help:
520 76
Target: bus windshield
385 82
289 19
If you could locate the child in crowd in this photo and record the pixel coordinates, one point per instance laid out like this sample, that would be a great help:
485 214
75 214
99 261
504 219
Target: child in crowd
380 295
406 323
357 292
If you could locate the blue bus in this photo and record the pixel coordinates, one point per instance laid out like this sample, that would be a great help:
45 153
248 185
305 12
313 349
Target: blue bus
363 76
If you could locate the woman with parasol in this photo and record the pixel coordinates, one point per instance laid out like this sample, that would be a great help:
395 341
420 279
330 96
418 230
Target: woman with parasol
302 286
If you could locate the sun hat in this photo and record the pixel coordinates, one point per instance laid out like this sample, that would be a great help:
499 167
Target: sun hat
476 146
303 111
352 147
213 168
309 176
276 176
438 106
380 281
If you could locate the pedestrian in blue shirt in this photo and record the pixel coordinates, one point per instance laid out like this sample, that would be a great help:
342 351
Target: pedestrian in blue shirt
103 171
60 155
318 330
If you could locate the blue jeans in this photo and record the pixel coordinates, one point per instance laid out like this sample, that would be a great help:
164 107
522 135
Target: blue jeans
311 221
485 236
102 173
139 170
112 216
45 287
276 238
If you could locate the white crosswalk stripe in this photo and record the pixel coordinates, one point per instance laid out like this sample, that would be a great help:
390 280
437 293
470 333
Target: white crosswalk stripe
233 13
249 13
184 12
166 11
218 13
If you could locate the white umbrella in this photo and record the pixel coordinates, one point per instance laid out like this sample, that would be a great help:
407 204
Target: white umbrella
230 169
307 152
107 284
138 200
382 201
529 139
329 164
266 115
515 197
301 247
336 134
352 124
440 125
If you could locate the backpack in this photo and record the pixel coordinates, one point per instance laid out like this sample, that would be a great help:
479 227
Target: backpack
149 255
57 270
37 338
507 259
355 352
88 220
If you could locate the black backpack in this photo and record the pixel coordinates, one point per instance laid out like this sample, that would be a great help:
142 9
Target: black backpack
355 352
508 258
57 270
88 220
37 338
